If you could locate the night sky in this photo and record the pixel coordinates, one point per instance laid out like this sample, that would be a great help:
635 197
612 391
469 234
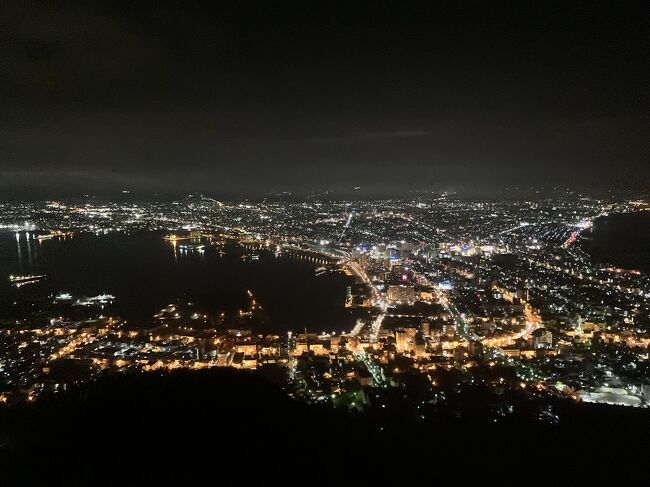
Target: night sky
247 97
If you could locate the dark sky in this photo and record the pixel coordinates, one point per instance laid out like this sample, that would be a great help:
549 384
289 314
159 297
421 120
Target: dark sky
250 97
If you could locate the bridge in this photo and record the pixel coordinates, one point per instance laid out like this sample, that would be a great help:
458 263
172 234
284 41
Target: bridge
338 256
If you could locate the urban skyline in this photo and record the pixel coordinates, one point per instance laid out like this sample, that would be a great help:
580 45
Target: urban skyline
288 240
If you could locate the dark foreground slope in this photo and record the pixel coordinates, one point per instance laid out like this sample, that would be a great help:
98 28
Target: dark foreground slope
178 428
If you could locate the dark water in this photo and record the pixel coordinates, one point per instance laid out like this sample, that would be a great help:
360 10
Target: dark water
622 240
145 273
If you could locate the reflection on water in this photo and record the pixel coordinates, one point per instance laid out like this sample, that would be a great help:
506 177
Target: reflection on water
145 273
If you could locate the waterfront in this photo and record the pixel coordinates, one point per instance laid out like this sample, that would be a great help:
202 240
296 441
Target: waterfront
448 293
145 273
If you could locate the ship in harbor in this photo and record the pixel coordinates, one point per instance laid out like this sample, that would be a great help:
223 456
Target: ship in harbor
192 247
249 257
23 280
54 234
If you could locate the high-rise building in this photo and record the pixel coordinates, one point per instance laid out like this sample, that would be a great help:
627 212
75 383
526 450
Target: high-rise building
419 345
425 328
401 340
405 339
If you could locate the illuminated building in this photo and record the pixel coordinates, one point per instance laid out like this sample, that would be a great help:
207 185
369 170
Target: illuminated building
401 293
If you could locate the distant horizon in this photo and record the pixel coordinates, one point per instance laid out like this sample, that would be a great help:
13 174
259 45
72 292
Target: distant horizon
360 193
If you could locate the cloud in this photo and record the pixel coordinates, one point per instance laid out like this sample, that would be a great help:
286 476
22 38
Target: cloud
397 134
